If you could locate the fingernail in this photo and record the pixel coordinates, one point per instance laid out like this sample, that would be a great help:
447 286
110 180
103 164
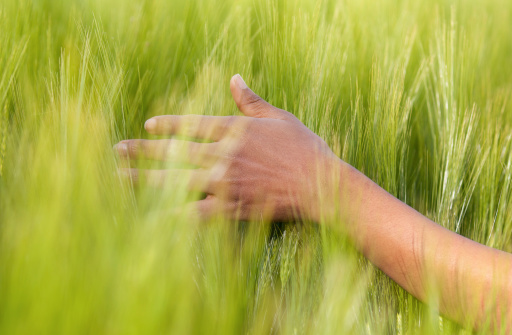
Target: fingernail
150 125
122 149
240 82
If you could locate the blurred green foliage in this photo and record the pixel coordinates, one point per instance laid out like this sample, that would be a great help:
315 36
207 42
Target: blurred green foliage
416 94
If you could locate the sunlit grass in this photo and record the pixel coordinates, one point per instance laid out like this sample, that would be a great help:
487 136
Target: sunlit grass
416 94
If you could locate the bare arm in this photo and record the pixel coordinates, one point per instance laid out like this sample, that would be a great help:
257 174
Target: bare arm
269 164
473 282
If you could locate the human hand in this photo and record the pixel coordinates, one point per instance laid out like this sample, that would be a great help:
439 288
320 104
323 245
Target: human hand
264 164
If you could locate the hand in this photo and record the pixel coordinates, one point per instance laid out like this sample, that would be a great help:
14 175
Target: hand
269 164
264 164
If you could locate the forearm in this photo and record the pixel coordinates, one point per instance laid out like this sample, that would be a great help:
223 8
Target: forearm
472 281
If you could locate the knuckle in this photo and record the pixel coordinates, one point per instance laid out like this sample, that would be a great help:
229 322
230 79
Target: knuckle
259 107
187 123
232 123
230 120
252 99
133 148
173 122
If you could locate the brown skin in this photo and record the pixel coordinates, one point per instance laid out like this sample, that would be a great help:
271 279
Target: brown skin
267 163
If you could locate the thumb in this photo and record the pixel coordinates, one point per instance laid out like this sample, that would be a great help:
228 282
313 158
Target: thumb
251 104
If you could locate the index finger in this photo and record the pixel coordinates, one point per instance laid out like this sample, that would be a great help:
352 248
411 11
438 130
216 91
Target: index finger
195 126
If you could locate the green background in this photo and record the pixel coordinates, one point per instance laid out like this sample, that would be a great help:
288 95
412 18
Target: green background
414 93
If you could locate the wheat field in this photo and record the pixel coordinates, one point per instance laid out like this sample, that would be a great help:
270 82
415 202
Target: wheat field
414 93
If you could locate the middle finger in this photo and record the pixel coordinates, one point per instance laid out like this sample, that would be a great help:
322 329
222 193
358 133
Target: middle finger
171 150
